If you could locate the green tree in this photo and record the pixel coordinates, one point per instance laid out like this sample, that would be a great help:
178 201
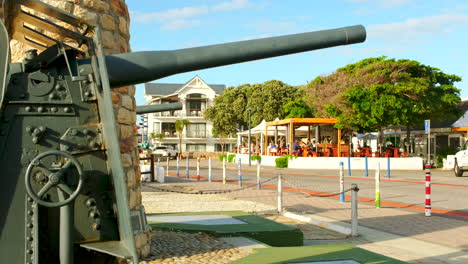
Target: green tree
226 112
179 126
229 110
298 108
158 136
379 92
267 99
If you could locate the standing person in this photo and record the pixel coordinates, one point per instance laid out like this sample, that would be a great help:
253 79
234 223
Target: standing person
295 148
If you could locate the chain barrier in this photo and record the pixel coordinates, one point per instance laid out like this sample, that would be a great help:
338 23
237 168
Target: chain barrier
317 195
209 191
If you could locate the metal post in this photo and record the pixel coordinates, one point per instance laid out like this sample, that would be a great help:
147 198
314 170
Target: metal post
187 176
280 193
151 168
249 147
158 168
377 185
209 169
367 166
258 175
427 208
66 231
198 168
354 210
342 198
239 173
224 170
178 167
349 165
388 168
167 166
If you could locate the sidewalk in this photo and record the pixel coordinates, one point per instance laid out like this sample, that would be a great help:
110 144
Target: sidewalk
395 232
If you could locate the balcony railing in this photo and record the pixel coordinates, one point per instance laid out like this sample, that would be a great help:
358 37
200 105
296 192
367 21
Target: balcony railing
196 134
192 113
197 113
170 134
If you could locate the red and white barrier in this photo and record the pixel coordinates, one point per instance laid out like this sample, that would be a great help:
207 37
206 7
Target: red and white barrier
427 208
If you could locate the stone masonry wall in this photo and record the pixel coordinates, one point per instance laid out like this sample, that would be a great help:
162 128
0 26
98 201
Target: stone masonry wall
114 19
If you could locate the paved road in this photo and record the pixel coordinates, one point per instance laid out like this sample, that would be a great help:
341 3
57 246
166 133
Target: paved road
403 187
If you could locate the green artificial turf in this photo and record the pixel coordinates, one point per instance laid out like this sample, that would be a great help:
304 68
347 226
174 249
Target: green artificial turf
315 253
258 228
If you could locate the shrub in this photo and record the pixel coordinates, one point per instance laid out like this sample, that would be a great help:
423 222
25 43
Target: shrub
442 154
256 157
283 162
222 157
231 157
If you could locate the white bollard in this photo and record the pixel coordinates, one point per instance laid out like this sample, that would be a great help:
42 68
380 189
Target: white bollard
354 210
258 175
280 193
224 170
209 169
167 166
198 168
377 186
342 196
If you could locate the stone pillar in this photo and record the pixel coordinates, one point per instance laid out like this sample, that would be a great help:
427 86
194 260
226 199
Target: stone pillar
113 17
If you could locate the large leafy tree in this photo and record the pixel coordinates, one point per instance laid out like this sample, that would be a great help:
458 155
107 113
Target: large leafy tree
379 92
298 108
226 112
265 101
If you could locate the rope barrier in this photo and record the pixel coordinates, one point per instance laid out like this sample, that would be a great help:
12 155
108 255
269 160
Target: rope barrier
317 195
207 191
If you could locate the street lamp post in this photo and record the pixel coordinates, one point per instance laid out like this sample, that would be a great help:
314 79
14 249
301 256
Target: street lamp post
249 146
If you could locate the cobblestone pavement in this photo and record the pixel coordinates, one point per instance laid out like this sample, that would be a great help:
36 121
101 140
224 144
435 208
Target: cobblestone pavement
442 230
180 248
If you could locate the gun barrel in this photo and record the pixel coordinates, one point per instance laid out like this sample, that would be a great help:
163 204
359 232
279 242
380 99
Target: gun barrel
140 67
145 109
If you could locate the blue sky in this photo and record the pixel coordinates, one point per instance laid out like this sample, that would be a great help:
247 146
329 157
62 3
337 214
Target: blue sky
432 32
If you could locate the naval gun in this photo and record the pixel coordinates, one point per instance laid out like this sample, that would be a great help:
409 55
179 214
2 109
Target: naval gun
63 197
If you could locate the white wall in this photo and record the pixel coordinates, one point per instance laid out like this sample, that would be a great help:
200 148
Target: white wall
414 163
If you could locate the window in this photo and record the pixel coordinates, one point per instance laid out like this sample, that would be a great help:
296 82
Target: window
196 104
168 129
196 130
196 147
156 127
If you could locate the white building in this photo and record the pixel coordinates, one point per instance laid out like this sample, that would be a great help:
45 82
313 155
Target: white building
195 96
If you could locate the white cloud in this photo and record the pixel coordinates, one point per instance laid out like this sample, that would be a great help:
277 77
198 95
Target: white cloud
179 18
392 3
383 3
180 24
231 5
415 28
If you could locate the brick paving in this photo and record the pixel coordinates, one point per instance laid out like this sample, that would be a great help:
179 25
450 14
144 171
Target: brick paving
438 229
447 231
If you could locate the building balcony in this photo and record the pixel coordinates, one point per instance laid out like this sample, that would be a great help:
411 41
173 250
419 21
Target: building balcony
196 134
180 114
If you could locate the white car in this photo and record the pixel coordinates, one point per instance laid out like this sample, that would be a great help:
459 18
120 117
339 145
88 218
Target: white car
461 162
165 151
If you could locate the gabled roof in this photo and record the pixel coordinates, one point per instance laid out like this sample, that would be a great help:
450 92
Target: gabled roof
172 88
461 123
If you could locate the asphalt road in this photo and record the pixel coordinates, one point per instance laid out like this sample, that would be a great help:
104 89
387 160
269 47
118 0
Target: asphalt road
404 187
